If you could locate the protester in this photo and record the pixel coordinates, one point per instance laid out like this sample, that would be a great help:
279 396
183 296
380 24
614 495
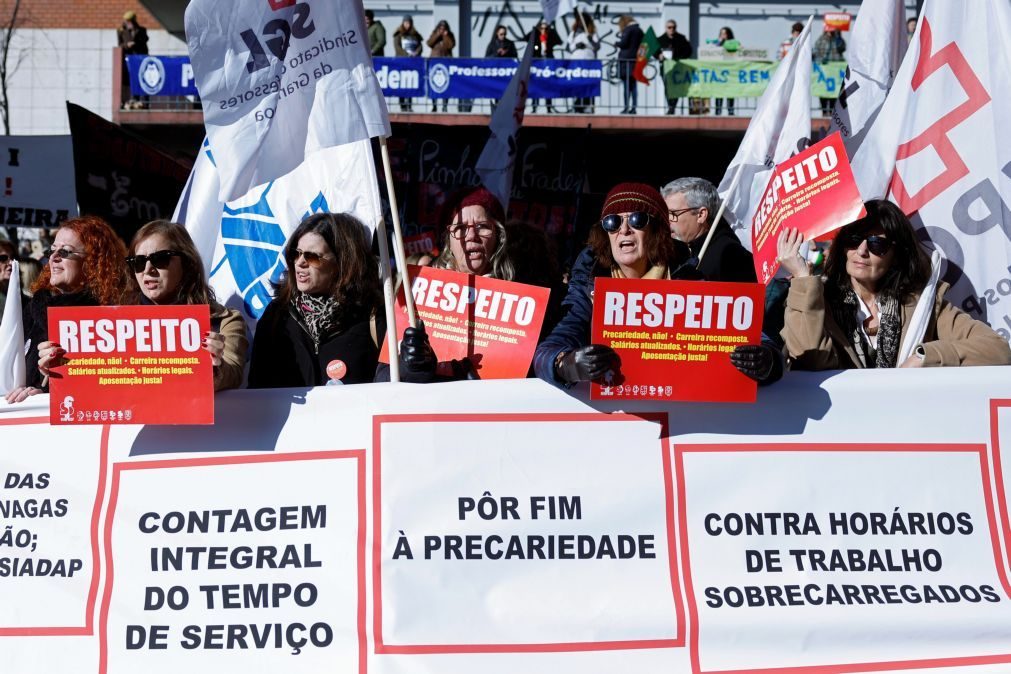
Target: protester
441 42
131 37
407 43
377 34
501 47
475 238
795 30
692 203
726 40
86 268
860 313
583 44
910 28
30 270
167 269
326 320
629 38
828 47
545 39
673 46
631 241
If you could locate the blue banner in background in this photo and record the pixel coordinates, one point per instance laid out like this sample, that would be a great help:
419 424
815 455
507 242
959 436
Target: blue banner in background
488 78
403 77
161 76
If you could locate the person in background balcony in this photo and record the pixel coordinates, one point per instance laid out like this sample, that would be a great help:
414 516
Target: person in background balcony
132 39
629 38
441 42
545 39
407 42
377 34
674 46
729 43
583 44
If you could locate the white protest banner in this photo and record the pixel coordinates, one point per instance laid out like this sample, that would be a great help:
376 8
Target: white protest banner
51 491
652 534
242 242
281 80
495 165
938 149
37 174
12 336
780 128
876 46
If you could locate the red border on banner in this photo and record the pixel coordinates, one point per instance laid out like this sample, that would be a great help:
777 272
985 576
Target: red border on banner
381 647
998 471
118 468
693 638
96 510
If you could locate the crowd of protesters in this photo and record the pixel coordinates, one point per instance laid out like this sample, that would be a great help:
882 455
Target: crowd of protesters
328 307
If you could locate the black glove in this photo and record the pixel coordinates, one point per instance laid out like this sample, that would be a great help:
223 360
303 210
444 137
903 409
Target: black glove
587 364
417 360
759 362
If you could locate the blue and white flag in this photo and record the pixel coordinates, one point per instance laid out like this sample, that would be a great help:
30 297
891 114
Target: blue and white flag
495 165
281 80
552 8
242 241
12 337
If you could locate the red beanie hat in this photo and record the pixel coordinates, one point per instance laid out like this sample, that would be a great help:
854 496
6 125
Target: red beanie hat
632 197
472 196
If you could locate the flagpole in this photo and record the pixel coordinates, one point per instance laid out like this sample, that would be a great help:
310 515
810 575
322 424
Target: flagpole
398 236
388 299
719 215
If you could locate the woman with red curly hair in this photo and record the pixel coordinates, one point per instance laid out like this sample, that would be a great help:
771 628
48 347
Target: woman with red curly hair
86 268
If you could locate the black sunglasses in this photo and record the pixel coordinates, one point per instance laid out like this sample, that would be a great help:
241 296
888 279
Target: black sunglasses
159 260
637 220
877 245
5 258
312 259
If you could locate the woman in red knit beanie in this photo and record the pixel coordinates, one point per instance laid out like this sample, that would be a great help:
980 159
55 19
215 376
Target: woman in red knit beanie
475 237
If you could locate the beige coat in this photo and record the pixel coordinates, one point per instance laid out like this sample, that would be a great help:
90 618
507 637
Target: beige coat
232 327
815 342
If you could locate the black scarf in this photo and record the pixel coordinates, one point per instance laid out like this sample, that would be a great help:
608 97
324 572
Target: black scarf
889 329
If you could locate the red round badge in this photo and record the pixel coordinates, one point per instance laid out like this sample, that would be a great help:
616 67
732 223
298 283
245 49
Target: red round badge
336 369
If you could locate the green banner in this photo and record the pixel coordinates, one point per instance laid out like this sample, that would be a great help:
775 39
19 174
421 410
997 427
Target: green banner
741 79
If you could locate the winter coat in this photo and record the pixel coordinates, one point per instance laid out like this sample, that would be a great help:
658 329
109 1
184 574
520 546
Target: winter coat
284 355
829 47
407 42
629 41
35 317
546 49
726 259
506 46
441 45
815 342
583 45
377 38
678 45
135 34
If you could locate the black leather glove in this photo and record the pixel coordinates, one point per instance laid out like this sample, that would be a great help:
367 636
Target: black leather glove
587 364
759 362
417 359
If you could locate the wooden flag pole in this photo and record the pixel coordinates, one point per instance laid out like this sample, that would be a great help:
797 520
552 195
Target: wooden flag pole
388 299
398 238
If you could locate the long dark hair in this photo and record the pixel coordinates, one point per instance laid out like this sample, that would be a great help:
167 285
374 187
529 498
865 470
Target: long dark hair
194 288
910 266
355 284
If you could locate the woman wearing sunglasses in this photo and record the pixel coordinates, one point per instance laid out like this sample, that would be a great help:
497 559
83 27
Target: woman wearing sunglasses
85 269
858 315
325 323
632 240
166 269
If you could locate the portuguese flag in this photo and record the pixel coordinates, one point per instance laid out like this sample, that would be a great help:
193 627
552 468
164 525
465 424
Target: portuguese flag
649 46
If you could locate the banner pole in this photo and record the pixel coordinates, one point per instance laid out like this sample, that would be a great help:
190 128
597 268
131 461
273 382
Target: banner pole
398 238
719 216
386 271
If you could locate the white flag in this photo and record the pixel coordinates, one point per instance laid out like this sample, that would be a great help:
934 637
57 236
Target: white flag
552 8
280 80
876 47
242 242
495 165
12 337
940 150
780 128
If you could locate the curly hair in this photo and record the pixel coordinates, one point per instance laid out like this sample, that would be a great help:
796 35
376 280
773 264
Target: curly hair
194 288
104 266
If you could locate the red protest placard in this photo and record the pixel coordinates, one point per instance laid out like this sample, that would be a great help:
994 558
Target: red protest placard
420 244
132 365
814 192
494 323
674 338
837 21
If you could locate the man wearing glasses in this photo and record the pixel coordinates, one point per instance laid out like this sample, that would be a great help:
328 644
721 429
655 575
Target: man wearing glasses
675 46
692 203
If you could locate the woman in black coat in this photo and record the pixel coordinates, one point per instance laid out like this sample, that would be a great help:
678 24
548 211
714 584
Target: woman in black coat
326 323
